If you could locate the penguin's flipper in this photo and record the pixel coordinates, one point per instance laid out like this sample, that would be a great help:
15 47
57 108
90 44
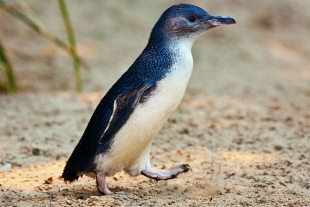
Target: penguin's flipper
124 105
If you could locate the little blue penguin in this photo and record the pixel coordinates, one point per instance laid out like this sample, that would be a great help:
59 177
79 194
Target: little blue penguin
121 130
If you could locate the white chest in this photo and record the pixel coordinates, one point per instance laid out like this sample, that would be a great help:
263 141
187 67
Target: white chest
131 145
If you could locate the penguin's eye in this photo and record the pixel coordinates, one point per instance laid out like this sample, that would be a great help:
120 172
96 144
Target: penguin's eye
193 18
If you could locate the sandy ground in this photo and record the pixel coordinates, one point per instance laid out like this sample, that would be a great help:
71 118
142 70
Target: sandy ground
243 126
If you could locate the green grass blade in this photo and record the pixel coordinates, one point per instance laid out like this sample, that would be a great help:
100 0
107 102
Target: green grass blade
71 39
8 70
29 13
38 27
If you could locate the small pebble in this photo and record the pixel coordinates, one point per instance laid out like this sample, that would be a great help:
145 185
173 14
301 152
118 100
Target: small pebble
6 166
68 202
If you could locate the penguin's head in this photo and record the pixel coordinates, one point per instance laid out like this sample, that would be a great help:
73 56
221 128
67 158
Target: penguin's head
187 21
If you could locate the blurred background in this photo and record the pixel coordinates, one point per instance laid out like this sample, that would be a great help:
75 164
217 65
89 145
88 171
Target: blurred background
262 54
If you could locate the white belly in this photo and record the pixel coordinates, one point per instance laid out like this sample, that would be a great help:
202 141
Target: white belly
131 146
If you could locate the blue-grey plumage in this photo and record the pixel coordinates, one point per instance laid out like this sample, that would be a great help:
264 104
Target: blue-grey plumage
120 132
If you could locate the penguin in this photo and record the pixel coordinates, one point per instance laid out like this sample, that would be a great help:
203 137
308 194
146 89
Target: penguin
122 128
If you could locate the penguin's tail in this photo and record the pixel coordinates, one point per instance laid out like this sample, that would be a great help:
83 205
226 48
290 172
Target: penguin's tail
70 172
77 165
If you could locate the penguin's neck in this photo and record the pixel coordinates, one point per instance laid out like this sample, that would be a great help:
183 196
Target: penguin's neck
182 55
177 51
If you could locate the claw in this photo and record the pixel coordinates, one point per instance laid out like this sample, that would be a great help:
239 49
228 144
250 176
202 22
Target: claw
120 193
185 167
174 176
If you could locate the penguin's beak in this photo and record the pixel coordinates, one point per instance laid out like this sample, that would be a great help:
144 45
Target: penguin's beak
215 21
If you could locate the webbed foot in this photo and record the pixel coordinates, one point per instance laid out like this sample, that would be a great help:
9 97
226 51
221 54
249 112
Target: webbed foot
165 174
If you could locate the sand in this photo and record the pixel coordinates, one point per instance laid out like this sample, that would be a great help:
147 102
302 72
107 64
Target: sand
243 125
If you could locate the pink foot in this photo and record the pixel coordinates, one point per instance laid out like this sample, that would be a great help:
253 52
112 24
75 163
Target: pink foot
102 185
165 174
